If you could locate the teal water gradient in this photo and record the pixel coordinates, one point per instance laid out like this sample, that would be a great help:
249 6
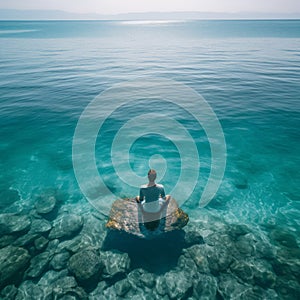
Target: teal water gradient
248 71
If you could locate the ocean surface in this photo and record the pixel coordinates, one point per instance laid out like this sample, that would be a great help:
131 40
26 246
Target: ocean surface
247 71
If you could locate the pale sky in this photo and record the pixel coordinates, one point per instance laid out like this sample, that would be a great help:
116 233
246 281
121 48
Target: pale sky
125 6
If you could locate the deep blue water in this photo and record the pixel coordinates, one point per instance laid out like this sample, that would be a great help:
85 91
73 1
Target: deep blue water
248 71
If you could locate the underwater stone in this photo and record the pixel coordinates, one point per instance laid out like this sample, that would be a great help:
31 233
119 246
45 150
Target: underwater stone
242 270
134 277
29 290
10 223
236 230
187 264
230 288
60 285
51 277
287 289
205 287
6 240
287 262
66 288
9 292
40 243
25 240
85 265
218 238
193 237
219 259
245 243
97 293
52 246
147 279
109 294
66 226
256 292
161 286
122 287
13 262
45 204
265 250
145 296
178 284
39 264
263 274
126 215
60 260
40 226
198 254
78 243
284 237
115 263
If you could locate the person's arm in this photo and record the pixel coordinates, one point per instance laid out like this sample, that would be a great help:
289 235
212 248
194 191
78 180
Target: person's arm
164 196
141 195
162 193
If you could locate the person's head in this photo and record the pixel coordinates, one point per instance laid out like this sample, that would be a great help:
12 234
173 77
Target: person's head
151 175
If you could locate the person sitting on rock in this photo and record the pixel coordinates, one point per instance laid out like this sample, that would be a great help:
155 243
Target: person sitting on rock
152 195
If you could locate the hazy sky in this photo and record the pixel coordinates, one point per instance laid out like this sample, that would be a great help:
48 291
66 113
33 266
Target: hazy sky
124 6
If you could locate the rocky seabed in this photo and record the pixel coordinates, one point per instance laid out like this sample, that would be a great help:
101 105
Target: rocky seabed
60 251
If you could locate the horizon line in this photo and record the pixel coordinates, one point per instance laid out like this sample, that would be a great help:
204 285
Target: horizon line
60 15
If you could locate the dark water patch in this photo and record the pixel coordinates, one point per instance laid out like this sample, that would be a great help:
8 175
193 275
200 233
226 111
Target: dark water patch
157 255
8 196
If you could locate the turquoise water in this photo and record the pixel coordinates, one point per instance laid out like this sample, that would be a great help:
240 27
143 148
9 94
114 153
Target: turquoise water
248 71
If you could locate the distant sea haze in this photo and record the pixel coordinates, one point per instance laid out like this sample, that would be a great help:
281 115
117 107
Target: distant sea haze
14 14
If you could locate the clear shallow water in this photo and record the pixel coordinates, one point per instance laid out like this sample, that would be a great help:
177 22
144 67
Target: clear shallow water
248 71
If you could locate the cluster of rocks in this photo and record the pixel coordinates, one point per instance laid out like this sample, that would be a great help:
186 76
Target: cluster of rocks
60 252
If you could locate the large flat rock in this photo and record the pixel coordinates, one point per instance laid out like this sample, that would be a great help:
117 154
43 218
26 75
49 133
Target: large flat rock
127 215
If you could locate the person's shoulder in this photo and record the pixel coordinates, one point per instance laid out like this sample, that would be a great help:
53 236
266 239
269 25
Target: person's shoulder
143 186
159 185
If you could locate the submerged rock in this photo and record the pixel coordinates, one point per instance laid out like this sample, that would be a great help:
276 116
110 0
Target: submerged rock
66 226
10 223
40 226
45 204
40 243
85 265
60 260
122 287
115 263
29 290
39 264
53 285
242 270
6 240
25 240
205 287
126 215
198 254
13 262
178 285
9 292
